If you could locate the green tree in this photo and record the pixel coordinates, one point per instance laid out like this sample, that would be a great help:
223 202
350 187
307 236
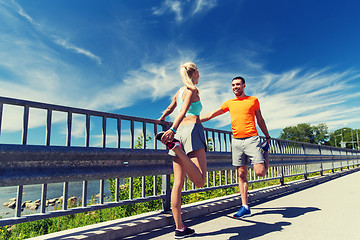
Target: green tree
321 133
304 132
140 141
345 137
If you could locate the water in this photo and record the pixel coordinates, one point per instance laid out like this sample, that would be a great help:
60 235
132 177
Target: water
54 190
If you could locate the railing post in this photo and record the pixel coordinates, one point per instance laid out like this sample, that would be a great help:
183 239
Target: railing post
321 165
84 193
165 185
69 126
117 190
131 188
304 149
65 196
43 198
321 170
101 191
167 192
341 167
1 110
25 125
282 178
154 185
48 127
305 172
87 130
18 201
132 134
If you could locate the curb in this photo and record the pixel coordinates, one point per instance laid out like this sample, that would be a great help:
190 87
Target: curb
129 226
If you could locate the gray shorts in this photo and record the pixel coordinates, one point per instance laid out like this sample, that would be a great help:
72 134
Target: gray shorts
245 150
191 137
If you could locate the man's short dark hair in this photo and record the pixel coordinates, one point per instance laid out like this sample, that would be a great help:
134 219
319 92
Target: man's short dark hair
240 78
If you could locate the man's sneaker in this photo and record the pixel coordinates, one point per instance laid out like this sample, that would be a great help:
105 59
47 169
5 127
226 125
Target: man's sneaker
243 212
170 145
265 150
188 232
265 146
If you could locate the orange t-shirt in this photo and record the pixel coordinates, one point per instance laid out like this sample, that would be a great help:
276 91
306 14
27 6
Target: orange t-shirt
242 113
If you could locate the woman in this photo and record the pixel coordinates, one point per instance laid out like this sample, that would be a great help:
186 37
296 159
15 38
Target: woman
190 157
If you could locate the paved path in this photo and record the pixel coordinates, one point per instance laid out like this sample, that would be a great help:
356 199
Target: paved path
330 210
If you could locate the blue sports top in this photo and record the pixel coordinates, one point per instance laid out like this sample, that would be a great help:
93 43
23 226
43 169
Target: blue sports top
195 107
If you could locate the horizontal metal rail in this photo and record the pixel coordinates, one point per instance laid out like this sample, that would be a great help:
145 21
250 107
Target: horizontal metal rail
50 164
133 156
25 165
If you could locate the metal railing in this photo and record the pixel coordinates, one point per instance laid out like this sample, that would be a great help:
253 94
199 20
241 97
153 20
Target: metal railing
134 154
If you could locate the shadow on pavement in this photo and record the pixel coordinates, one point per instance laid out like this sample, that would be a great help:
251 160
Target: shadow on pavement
287 212
258 229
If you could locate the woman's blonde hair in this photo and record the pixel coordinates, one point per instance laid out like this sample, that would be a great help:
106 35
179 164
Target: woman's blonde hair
187 71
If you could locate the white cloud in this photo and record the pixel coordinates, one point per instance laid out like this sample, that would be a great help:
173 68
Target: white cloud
69 46
204 5
170 5
306 97
40 30
184 9
27 17
150 81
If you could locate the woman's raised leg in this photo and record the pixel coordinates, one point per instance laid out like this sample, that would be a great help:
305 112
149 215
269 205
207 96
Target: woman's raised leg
194 165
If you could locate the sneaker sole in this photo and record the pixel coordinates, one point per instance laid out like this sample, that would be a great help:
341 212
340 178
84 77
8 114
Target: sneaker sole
159 135
244 216
180 237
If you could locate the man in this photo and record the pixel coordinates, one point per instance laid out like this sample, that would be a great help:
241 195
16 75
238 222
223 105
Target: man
246 141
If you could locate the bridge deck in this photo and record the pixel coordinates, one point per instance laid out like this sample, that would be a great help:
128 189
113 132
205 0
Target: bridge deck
330 210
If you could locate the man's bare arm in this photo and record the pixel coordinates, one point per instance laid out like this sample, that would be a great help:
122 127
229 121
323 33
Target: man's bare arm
261 122
210 115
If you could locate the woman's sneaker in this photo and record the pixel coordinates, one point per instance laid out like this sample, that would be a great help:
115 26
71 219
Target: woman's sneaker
188 232
173 144
170 145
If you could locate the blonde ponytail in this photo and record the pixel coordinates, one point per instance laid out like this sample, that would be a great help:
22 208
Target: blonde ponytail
187 71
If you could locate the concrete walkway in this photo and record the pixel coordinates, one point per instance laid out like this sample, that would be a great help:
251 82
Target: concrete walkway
330 210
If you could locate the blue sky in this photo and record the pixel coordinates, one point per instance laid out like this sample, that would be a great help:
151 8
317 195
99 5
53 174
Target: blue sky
300 58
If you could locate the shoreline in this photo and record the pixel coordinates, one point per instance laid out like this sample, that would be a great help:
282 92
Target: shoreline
33 193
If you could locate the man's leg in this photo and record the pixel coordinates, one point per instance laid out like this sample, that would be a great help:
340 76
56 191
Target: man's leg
260 169
258 157
244 211
243 184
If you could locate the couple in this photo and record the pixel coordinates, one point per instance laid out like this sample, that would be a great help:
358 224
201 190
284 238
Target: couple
187 144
